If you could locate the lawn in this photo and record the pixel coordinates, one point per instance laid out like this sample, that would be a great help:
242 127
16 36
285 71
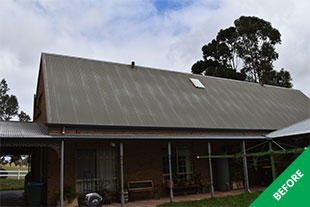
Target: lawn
11 184
227 201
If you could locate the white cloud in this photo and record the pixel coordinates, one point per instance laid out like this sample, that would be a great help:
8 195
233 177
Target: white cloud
123 31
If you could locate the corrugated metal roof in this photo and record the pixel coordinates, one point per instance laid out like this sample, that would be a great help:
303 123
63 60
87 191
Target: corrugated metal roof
12 129
39 130
155 137
83 91
302 127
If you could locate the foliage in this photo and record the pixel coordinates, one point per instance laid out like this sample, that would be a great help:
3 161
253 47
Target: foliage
228 201
105 193
245 51
6 167
11 184
16 159
9 104
23 117
283 79
3 160
69 194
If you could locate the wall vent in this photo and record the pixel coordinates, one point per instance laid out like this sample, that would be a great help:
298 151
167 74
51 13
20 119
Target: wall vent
196 83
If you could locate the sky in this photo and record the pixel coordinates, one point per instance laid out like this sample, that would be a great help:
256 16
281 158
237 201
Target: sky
153 33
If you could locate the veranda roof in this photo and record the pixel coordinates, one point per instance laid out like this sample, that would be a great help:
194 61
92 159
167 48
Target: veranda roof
299 128
14 129
21 130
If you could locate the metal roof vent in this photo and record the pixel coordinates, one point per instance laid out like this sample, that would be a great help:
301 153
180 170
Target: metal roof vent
196 83
133 64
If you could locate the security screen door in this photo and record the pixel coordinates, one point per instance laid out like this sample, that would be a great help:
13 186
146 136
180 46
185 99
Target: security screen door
96 170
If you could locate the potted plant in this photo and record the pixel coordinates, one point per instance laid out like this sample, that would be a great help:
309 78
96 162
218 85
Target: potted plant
174 180
106 195
236 178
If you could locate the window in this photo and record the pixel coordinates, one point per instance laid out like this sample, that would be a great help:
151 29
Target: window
180 164
96 170
197 83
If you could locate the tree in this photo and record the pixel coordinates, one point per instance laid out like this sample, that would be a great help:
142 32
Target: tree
245 51
9 104
23 117
16 159
283 79
3 160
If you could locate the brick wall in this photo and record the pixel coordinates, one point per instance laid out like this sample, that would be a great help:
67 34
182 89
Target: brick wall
52 177
142 160
39 106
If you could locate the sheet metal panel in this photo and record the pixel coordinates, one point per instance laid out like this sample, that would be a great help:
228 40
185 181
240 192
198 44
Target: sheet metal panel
38 130
154 137
302 127
10 129
83 91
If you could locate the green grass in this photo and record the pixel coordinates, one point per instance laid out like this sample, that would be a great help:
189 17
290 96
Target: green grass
11 184
227 201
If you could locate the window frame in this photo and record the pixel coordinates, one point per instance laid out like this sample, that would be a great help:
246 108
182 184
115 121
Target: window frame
188 175
98 182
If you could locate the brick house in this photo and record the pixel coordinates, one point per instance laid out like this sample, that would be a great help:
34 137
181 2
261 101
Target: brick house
96 109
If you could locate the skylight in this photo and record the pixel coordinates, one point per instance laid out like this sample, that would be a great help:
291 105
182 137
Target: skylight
196 83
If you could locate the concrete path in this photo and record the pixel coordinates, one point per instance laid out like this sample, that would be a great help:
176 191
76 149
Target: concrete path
15 198
12 198
155 202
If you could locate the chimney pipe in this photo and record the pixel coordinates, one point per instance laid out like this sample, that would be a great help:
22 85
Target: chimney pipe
132 64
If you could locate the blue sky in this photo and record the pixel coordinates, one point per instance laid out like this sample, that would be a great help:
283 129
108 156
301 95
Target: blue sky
160 34
163 6
166 6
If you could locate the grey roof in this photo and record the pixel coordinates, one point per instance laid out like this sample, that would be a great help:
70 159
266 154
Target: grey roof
156 137
22 130
299 128
91 92
39 130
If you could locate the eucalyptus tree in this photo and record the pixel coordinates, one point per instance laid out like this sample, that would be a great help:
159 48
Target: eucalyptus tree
245 51
9 105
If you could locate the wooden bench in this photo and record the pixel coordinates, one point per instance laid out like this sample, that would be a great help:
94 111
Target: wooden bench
142 186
